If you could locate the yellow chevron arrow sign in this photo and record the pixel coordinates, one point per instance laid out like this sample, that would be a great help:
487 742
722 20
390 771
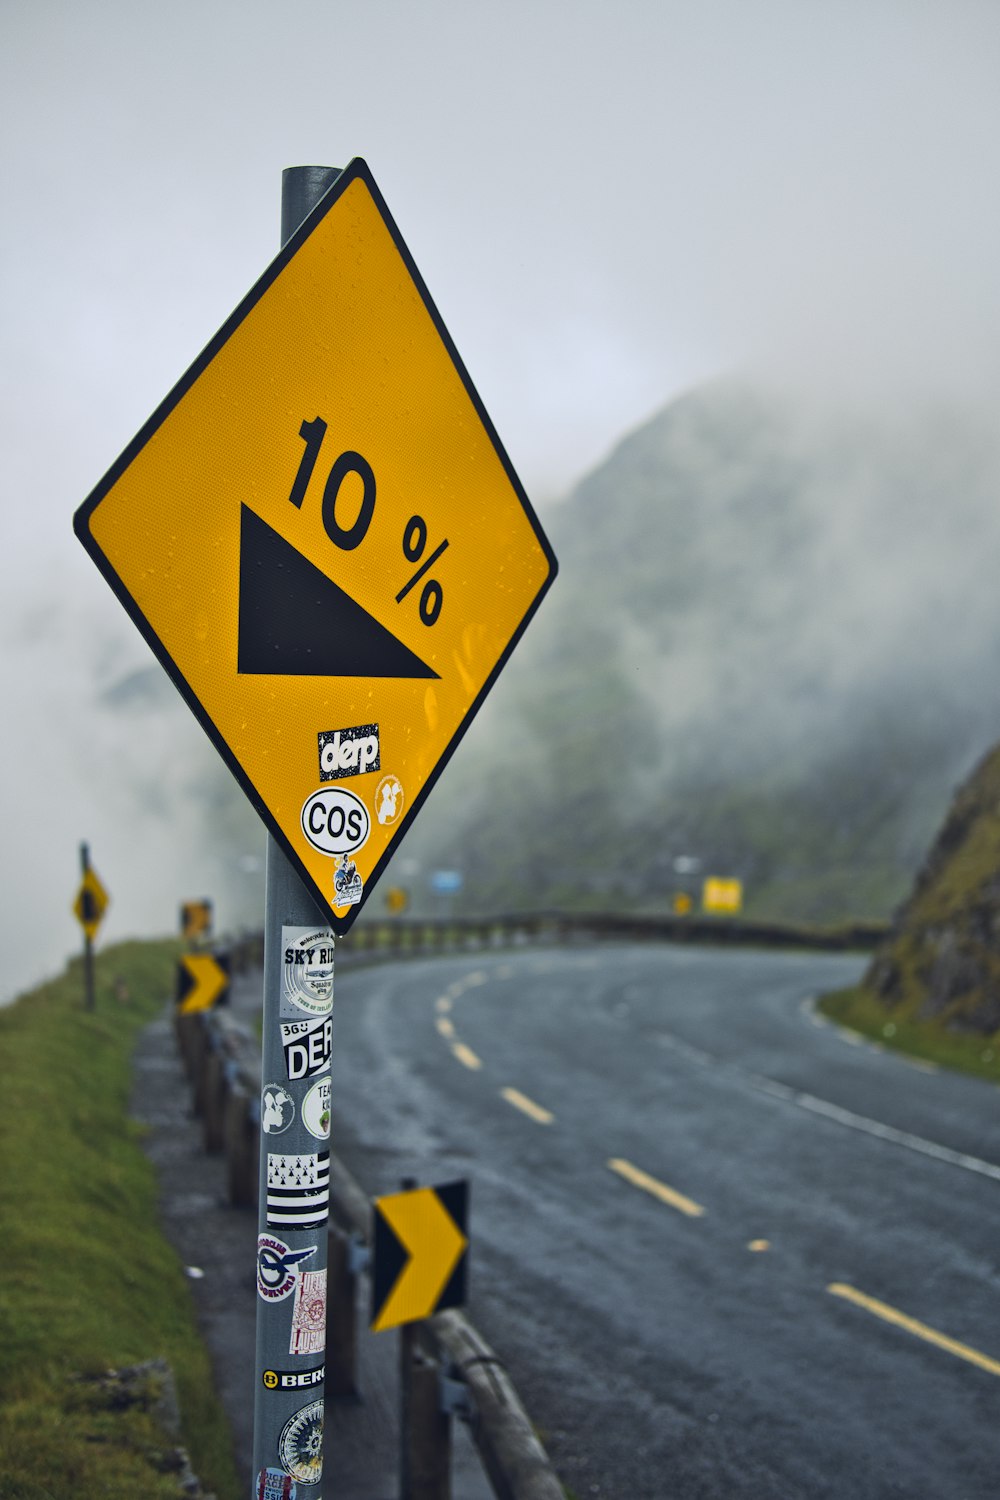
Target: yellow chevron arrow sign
419 1260
202 981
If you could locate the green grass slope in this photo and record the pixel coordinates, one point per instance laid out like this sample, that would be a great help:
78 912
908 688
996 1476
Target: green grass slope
90 1285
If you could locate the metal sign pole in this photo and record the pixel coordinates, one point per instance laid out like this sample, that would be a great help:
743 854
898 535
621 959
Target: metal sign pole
293 1211
88 943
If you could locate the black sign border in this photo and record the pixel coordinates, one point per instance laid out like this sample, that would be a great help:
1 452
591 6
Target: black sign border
357 170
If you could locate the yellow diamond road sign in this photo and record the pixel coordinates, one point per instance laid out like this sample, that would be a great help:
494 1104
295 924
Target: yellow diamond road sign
91 903
321 537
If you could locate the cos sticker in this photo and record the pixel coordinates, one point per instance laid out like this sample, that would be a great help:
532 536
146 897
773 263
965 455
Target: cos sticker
335 821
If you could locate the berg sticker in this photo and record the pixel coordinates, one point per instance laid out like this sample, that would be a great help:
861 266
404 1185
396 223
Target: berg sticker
293 1380
277 1267
316 1110
277 1109
300 1446
307 1046
306 971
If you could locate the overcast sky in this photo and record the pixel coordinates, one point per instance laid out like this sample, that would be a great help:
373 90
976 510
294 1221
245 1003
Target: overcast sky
609 203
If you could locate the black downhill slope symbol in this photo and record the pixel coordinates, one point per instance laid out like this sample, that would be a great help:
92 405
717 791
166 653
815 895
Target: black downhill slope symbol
296 622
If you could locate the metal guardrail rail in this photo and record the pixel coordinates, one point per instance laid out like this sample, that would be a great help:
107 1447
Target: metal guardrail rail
222 1060
400 936
377 938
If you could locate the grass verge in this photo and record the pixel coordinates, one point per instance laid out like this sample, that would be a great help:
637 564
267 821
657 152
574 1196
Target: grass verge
90 1284
929 1040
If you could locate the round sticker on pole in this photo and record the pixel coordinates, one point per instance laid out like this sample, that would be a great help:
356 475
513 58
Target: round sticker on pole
335 821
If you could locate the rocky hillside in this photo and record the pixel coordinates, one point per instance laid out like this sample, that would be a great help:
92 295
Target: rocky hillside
942 959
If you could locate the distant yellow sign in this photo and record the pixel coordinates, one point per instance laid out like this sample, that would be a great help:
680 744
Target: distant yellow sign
321 537
91 903
396 899
722 895
682 904
196 919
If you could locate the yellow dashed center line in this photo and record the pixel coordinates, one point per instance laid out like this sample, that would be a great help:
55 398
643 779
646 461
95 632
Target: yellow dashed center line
527 1106
679 1201
920 1330
466 1055
668 1195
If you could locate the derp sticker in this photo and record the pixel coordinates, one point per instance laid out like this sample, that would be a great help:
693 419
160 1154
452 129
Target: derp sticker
298 1189
306 971
277 1109
309 1314
300 1446
275 1484
277 1267
316 1110
348 752
307 1046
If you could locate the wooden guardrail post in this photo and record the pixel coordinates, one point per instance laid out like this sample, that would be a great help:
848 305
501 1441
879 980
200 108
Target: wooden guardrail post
242 1146
425 1429
214 1099
203 1049
185 1027
516 1464
341 1317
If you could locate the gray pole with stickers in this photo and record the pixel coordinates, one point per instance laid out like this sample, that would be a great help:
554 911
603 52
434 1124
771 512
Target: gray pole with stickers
294 1200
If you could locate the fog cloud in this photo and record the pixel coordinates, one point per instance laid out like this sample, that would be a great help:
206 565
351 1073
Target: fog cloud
609 204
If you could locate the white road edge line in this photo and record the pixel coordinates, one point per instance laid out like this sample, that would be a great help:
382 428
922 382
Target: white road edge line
876 1128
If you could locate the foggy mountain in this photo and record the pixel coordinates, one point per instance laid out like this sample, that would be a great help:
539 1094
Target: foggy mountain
772 648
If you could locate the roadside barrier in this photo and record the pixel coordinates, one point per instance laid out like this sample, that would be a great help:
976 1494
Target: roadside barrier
451 1371
405 937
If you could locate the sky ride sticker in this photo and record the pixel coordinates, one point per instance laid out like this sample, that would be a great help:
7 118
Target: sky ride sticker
306 972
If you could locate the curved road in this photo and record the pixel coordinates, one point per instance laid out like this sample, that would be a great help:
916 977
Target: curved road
724 1251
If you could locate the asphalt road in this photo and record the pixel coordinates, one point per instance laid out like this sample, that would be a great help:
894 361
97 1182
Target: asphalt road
724 1251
